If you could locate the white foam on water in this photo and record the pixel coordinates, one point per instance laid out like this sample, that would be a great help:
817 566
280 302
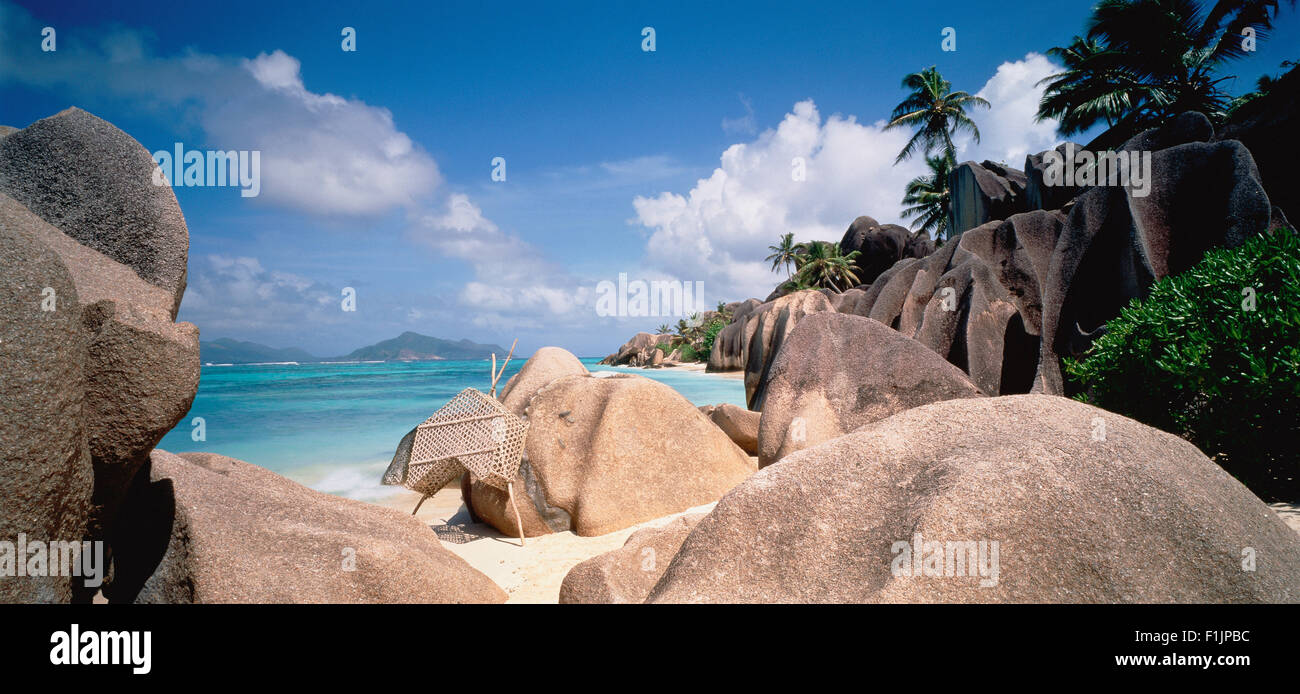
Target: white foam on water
360 482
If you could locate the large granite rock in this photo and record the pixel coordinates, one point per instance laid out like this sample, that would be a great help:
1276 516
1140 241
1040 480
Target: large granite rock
638 351
740 309
837 372
731 347
1179 130
983 192
141 369
82 191
882 245
1038 194
46 479
1114 244
1136 515
206 528
627 574
1267 127
604 453
944 319
95 183
770 325
547 364
1019 252
1013 292
926 281
739 424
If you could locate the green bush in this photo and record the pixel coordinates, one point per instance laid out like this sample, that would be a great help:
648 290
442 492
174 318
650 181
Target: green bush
1213 355
710 336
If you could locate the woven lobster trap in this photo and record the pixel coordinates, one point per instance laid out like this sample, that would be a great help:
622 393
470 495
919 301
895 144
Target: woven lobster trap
472 432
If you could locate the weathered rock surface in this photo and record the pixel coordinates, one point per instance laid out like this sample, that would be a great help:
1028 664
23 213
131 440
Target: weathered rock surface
1019 251
738 423
116 368
95 183
1179 130
770 325
1007 298
627 574
837 372
46 479
932 269
754 330
547 364
1038 194
983 192
141 369
1267 127
882 245
606 453
1141 516
1114 244
210 529
639 351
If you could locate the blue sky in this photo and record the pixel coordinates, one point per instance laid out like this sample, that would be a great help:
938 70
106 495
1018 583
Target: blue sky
665 165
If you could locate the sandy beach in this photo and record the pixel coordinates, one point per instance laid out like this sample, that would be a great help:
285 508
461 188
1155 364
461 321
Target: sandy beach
698 367
530 574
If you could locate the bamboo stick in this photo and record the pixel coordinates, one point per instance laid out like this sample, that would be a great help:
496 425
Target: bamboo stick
510 490
496 375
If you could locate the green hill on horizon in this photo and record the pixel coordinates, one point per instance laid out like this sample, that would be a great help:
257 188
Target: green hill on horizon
411 346
230 351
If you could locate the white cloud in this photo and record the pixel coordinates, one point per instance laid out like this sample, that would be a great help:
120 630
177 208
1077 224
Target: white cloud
1008 131
719 231
461 231
321 153
229 293
513 280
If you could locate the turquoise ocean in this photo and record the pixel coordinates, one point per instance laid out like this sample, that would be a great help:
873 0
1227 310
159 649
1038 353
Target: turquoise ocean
334 426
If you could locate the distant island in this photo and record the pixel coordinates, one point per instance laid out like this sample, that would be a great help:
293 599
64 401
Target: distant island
228 351
408 346
411 346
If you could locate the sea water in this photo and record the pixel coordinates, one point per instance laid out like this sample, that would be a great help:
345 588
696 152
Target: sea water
335 426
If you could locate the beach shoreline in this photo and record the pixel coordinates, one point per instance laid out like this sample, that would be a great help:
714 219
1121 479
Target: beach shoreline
697 367
529 574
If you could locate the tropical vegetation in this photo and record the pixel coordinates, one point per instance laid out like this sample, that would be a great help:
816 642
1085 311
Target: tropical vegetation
1213 355
1140 62
928 198
935 112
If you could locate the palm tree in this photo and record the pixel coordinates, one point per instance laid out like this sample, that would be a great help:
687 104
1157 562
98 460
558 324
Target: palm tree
1092 88
1263 87
1143 61
822 265
784 253
664 329
935 111
929 197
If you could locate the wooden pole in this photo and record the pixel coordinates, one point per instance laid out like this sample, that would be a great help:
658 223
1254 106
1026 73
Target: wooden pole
510 490
497 375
